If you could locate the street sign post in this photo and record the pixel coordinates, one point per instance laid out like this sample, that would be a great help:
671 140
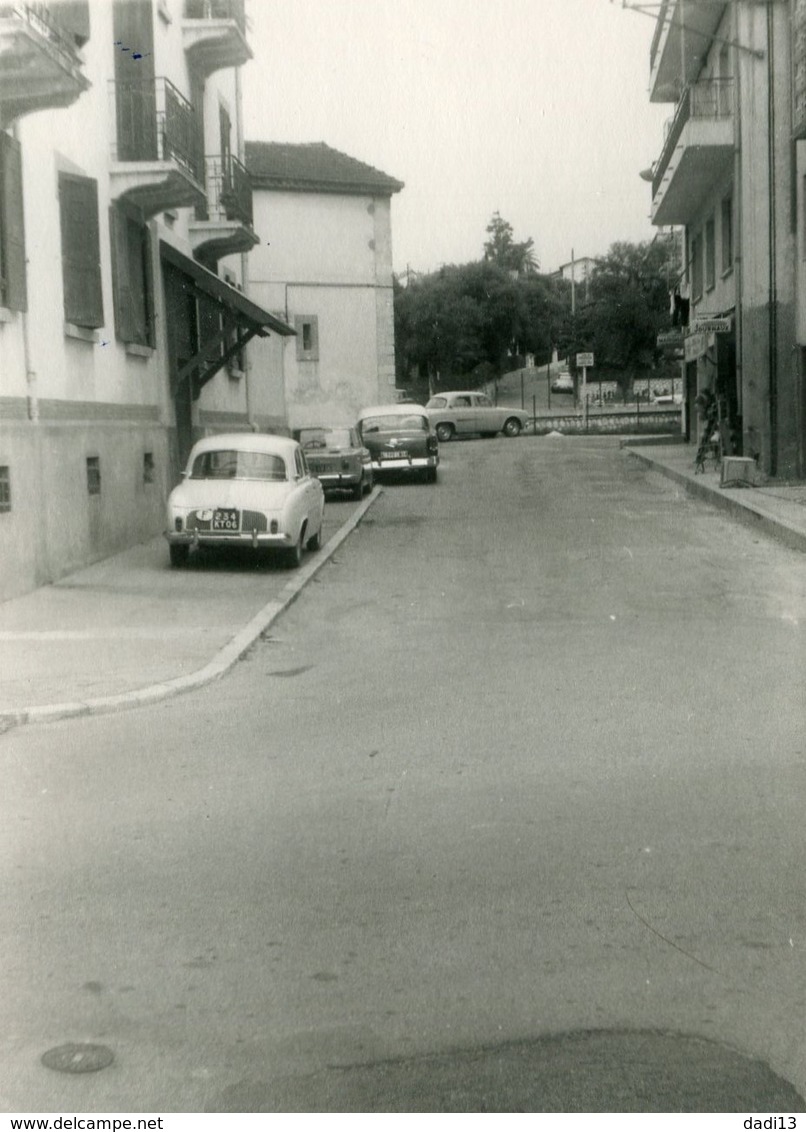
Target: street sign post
585 360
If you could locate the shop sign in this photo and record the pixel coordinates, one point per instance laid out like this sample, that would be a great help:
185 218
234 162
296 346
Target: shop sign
717 325
670 339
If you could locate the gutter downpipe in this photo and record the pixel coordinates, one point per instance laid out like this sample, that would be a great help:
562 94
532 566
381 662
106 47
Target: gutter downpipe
773 290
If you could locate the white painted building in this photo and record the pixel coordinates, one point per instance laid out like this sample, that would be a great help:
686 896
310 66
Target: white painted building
324 266
125 222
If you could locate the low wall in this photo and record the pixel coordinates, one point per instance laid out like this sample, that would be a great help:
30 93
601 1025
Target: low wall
624 421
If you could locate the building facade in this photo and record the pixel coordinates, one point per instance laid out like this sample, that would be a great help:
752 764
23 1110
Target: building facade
324 266
125 223
730 174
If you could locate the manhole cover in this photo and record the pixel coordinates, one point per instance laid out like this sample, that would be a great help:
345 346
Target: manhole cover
78 1058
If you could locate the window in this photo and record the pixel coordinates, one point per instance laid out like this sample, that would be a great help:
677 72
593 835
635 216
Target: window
12 227
727 234
81 251
695 267
307 328
5 488
710 253
93 475
148 467
131 277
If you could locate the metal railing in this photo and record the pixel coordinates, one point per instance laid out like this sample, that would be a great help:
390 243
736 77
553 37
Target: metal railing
706 99
217 10
157 123
656 38
229 191
44 21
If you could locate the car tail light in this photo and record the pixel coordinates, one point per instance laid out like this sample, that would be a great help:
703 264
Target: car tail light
178 523
433 444
275 526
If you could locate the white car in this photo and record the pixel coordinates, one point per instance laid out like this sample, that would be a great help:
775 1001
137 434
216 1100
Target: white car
461 413
246 489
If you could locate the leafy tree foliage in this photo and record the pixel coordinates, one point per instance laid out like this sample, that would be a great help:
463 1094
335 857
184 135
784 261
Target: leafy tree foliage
627 305
477 320
502 250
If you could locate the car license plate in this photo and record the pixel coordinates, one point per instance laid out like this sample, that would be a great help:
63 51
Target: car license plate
398 454
226 519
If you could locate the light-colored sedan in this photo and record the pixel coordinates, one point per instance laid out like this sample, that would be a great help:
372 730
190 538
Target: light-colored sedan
246 489
461 413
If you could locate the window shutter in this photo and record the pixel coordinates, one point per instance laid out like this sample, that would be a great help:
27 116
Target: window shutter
121 276
12 226
81 251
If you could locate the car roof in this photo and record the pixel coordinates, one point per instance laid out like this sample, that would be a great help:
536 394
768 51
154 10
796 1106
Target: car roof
247 442
396 409
460 393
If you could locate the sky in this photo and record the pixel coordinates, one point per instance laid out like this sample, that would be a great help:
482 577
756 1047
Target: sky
536 109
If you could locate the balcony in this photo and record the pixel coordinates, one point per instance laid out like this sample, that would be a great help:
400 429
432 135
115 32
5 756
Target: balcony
40 63
683 35
224 225
697 152
214 35
157 160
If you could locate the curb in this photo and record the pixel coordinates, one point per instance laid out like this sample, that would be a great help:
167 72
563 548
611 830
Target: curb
221 663
744 511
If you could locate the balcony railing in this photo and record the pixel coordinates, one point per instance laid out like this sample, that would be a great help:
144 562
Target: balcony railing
156 123
229 191
43 19
707 99
217 10
659 26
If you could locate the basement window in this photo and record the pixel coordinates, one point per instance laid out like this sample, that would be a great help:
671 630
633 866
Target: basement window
93 475
5 488
148 467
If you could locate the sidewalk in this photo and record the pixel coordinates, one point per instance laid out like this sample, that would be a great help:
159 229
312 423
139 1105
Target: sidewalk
129 630
776 510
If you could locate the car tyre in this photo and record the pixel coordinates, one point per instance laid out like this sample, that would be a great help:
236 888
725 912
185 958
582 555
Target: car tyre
444 432
512 427
431 475
357 493
315 541
293 556
488 435
179 555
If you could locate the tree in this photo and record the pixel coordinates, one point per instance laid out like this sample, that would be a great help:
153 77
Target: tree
502 250
628 305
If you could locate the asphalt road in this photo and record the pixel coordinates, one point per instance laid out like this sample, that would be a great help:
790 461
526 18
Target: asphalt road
506 814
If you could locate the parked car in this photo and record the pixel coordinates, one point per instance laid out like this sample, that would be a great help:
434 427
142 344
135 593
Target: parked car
400 439
562 383
459 413
246 489
337 458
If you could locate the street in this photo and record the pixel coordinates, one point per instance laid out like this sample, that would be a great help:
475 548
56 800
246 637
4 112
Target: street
506 813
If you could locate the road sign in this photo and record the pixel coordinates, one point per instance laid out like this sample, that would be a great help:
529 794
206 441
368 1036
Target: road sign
584 359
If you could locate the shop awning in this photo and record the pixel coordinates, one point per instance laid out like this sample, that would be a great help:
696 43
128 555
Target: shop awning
224 322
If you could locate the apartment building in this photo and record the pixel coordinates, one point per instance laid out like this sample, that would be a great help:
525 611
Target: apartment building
125 226
325 267
730 174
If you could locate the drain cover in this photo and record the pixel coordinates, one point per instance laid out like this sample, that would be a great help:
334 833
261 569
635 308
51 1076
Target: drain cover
78 1058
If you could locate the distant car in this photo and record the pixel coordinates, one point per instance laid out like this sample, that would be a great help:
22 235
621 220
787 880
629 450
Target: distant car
667 399
400 439
461 413
562 383
337 458
246 489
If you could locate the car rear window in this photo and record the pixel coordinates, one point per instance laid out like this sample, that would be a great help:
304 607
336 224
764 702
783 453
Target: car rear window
313 438
230 464
437 403
395 423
